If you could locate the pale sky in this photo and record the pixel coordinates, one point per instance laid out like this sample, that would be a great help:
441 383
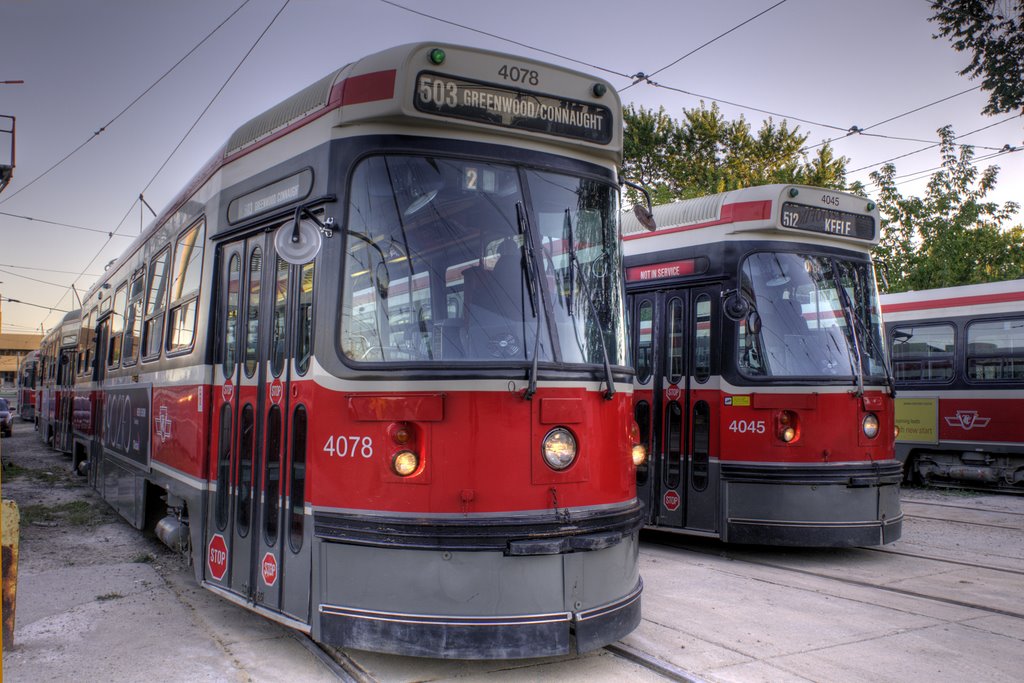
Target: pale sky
836 63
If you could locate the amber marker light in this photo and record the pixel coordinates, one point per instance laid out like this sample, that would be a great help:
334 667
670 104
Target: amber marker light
400 433
896 431
405 463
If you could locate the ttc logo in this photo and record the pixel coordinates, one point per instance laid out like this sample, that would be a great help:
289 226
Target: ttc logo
967 420
163 424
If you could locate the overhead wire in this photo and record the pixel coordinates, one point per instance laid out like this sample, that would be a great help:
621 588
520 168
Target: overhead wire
643 77
57 223
180 142
131 104
502 38
932 146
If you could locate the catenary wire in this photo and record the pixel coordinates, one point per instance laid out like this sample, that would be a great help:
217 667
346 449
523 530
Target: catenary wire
57 223
125 110
180 142
502 38
697 49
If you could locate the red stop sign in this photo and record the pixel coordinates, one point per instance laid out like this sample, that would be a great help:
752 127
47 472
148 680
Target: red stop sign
671 500
217 557
269 568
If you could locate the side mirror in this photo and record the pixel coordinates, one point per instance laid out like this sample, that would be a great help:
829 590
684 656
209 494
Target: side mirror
736 307
644 214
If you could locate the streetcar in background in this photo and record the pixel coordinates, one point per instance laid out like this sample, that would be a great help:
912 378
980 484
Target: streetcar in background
28 386
958 359
57 358
762 386
369 368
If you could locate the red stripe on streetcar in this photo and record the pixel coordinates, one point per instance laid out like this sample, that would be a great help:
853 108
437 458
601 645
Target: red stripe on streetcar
955 302
737 212
379 85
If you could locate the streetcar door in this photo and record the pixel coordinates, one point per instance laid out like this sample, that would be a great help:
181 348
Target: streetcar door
259 431
236 405
674 405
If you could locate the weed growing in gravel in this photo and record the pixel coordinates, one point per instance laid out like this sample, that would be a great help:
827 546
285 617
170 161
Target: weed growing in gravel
109 596
13 471
143 558
74 513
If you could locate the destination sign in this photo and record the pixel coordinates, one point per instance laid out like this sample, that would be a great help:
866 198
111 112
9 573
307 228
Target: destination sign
284 191
828 221
511 108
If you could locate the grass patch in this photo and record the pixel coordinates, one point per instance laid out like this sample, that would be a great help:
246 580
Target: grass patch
13 471
143 558
74 513
109 596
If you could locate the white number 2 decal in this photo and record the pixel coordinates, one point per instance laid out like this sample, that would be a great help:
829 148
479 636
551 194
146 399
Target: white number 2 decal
342 446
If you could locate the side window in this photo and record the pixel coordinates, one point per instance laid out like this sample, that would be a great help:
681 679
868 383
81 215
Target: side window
86 351
923 353
252 323
675 340
995 350
230 332
133 320
644 341
702 338
156 301
117 325
278 330
223 468
297 481
188 270
304 339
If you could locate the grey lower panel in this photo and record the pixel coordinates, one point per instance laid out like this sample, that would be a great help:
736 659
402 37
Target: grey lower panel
822 515
505 637
475 605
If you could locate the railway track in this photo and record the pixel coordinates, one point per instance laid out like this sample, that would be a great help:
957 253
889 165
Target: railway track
348 670
743 557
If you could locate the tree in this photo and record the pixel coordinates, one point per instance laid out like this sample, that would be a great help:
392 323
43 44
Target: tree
992 31
951 236
703 153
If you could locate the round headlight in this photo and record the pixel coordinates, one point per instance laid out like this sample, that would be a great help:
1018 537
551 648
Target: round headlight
405 463
639 454
896 431
559 448
870 425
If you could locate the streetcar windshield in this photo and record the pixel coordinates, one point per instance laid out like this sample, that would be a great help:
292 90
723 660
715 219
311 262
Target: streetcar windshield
814 316
449 260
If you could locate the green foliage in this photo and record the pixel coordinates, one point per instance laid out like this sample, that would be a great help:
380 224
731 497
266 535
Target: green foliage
703 153
992 31
951 236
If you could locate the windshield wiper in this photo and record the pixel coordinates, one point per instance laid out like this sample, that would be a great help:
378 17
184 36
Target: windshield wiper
850 316
523 222
574 267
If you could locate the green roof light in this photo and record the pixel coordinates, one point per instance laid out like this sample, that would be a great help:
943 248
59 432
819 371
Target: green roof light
871 206
793 192
437 56
599 89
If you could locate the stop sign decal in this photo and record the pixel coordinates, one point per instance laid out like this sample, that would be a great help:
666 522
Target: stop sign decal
671 500
217 557
269 567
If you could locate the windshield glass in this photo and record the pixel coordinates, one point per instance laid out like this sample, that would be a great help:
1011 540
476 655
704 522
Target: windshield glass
437 264
801 327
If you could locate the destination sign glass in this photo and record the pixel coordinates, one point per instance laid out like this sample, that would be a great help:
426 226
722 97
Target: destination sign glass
510 108
285 191
827 221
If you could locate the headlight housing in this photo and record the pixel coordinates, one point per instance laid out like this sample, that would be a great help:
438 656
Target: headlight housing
405 463
559 448
870 425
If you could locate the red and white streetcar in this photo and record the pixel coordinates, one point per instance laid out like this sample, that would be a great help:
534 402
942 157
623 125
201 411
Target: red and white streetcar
369 367
762 388
58 355
958 357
